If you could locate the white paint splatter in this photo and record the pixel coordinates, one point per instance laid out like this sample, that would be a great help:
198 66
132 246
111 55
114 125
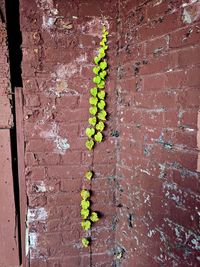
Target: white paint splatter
94 26
186 17
41 187
145 171
32 240
63 73
50 14
62 144
36 214
151 232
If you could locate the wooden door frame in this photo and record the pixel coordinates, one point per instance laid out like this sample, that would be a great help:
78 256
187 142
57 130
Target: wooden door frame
21 171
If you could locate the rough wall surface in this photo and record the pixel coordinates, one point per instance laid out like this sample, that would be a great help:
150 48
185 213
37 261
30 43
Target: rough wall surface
154 75
60 39
158 88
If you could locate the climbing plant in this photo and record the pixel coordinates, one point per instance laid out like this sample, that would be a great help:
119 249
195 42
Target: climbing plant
95 129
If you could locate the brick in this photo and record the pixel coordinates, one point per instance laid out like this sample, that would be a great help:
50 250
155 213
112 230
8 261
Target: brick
35 173
189 98
190 56
185 37
40 145
160 64
157 46
154 82
67 115
67 101
70 185
192 77
65 172
166 25
189 118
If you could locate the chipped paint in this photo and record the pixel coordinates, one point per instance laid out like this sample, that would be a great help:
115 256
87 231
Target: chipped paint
63 73
36 214
151 233
50 14
32 240
94 26
186 17
191 13
41 187
62 143
145 171
33 215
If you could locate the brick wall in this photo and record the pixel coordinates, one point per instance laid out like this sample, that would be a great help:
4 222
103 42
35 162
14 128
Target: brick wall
60 39
146 184
158 87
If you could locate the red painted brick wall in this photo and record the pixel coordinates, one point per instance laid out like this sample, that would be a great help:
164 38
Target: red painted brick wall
159 97
60 39
146 184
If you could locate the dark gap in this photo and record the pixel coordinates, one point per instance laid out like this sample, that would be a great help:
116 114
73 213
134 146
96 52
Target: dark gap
2 16
15 59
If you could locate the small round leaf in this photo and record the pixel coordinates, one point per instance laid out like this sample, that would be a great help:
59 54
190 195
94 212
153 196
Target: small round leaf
98 137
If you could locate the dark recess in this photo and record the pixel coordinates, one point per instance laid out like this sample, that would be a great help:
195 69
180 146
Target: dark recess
15 58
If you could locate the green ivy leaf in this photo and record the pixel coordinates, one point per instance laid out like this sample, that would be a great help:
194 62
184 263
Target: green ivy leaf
96 60
102 115
103 65
101 50
104 38
85 194
103 74
104 29
101 94
92 121
85 242
100 126
102 55
93 91
98 137
102 43
89 144
85 204
97 79
93 101
85 213
93 110
101 104
96 70
86 225
90 132
88 175
101 85
94 217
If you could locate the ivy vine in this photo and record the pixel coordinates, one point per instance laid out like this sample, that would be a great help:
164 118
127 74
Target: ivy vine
95 129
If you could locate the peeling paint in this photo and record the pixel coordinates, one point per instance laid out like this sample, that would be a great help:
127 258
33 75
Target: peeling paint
32 240
33 215
62 74
191 13
186 17
62 144
36 214
94 26
41 187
